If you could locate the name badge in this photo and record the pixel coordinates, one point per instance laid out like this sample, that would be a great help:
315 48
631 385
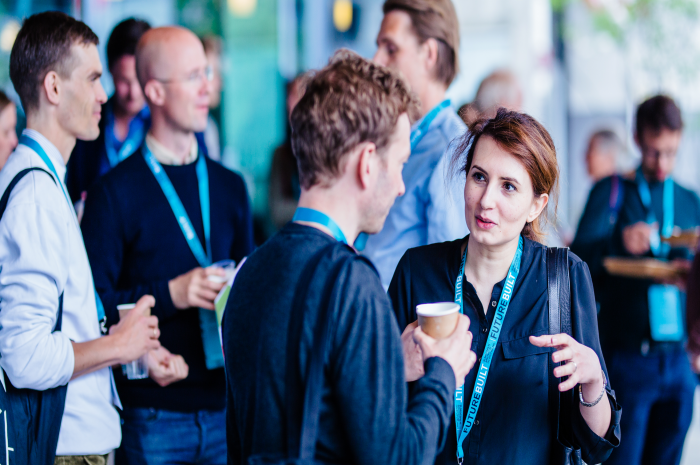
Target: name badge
665 313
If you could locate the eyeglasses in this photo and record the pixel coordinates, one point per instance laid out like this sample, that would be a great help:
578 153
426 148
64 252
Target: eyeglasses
195 77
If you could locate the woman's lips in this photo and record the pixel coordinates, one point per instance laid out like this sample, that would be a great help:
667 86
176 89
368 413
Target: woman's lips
484 223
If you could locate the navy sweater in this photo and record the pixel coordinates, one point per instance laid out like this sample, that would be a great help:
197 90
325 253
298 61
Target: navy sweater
135 247
366 415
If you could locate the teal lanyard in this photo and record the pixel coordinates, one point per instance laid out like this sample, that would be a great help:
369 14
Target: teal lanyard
310 215
495 332
657 247
203 258
137 132
416 136
418 133
36 147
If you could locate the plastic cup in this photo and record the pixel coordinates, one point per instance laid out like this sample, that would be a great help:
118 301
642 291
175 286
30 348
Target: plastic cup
438 320
136 369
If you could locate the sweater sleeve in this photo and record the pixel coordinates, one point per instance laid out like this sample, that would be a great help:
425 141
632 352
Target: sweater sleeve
382 424
104 236
594 449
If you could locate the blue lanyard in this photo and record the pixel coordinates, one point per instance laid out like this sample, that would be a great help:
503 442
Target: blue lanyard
134 139
204 258
310 215
418 133
36 147
657 247
495 332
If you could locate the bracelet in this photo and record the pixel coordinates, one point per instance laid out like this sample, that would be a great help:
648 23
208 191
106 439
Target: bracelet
595 402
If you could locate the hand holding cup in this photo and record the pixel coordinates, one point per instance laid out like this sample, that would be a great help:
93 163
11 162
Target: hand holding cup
137 332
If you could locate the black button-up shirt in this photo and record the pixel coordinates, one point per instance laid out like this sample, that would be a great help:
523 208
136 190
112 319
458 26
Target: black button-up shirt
512 424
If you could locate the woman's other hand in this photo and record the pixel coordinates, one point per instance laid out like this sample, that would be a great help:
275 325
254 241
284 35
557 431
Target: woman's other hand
581 363
412 355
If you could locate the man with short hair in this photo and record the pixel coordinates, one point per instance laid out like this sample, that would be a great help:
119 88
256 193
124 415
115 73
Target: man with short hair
156 224
55 68
350 134
641 321
125 116
420 39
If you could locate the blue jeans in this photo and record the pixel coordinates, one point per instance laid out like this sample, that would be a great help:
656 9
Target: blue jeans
163 437
656 395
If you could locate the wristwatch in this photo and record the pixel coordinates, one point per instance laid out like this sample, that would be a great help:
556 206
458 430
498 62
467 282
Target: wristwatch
595 402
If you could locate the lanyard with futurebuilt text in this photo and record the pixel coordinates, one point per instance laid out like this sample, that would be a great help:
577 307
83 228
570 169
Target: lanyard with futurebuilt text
36 147
495 332
309 215
416 136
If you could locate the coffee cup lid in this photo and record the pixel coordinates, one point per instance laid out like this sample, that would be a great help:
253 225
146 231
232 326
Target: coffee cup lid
437 309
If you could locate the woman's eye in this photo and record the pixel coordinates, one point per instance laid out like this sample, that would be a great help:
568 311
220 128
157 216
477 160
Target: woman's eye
478 177
509 187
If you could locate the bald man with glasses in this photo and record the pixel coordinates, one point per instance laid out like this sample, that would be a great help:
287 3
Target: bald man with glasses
155 225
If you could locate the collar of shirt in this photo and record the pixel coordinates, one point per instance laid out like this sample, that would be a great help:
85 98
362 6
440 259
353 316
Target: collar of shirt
166 156
54 155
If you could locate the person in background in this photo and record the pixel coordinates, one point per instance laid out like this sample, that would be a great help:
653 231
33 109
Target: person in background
214 48
604 151
641 320
55 68
156 224
351 135
125 116
284 174
594 235
420 39
8 129
499 89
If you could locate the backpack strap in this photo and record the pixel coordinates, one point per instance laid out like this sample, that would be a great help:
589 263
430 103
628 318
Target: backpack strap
18 177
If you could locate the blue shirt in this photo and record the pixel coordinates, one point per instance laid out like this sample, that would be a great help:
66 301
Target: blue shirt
432 209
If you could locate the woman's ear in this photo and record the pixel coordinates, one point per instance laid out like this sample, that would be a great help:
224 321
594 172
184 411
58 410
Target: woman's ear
538 205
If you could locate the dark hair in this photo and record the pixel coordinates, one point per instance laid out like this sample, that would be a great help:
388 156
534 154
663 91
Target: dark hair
434 19
657 113
528 141
4 101
42 45
350 101
123 39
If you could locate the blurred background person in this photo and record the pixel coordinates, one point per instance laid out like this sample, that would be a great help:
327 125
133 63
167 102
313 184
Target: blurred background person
285 189
420 38
641 320
8 128
125 116
693 316
593 238
156 224
213 48
604 151
499 89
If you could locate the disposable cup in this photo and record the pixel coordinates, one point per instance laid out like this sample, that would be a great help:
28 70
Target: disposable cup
229 266
438 320
136 369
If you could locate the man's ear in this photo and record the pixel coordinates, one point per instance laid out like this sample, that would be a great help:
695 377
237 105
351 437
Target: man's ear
154 92
52 87
431 55
366 163
537 207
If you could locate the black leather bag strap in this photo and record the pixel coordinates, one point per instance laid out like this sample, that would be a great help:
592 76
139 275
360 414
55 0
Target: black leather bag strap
18 177
302 418
561 403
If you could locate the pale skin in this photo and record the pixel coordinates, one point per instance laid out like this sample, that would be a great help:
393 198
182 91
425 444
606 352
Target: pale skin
171 66
128 97
398 48
499 201
359 200
8 136
69 109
